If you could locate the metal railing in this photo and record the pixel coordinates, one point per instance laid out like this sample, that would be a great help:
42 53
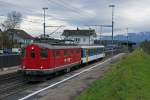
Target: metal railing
9 60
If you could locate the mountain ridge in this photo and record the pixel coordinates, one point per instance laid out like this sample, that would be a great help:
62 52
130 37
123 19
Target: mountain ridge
134 37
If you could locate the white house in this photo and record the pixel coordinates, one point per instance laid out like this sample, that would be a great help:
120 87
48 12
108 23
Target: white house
20 36
81 37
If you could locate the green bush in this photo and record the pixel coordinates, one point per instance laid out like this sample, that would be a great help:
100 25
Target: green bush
146 46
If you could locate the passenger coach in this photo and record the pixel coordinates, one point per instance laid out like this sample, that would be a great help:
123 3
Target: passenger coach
90 53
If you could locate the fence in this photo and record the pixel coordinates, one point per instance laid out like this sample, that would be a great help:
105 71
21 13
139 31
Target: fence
9 60
113 52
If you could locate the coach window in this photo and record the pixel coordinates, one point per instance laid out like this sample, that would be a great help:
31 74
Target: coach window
44 53
99 50
103 49
92 53
32 54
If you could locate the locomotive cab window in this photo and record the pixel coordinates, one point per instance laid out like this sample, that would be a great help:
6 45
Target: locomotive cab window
32 54
23 52
44 53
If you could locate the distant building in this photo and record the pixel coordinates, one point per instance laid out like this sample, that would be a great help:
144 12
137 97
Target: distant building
82 37
20 36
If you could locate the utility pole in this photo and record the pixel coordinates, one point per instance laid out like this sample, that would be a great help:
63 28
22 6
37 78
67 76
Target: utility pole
44 25
112 6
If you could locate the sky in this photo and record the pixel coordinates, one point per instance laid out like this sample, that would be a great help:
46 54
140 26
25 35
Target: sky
132 14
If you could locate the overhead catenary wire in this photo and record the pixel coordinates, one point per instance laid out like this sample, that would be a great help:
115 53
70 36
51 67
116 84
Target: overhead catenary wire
68 7
74 8
56 30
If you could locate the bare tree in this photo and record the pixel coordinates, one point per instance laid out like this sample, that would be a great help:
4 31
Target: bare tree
12 21
5 42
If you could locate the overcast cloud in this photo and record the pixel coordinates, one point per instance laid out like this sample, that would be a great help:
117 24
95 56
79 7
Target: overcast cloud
134 14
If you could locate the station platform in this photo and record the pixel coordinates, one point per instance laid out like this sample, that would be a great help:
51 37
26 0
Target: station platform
9 70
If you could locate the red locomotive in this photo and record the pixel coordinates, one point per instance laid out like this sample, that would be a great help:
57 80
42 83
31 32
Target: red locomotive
43 59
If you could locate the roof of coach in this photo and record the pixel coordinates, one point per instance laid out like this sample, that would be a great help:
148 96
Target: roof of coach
98 46
44 45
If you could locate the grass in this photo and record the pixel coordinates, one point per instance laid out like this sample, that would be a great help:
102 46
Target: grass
129 79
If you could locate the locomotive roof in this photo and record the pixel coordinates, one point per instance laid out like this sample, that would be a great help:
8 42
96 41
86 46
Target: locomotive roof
44 45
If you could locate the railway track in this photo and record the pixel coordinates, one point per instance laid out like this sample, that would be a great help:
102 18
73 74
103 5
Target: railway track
8 76
9 83
12 89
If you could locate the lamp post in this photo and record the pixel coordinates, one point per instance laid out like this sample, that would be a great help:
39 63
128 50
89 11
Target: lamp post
112 6
45 8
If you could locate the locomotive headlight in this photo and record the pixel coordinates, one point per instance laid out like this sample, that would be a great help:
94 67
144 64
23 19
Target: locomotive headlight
32 48
41 67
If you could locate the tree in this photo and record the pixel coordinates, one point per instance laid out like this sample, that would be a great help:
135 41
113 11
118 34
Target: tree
12 21
146 46
4 40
